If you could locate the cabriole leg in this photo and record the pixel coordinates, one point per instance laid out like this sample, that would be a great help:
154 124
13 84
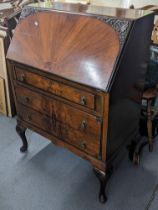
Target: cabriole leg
21 131
102 179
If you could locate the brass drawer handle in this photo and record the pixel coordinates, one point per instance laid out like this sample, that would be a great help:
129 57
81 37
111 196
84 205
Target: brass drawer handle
83 145
22 77
83 125
84 100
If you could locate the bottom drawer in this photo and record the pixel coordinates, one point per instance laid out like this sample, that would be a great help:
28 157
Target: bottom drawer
86 142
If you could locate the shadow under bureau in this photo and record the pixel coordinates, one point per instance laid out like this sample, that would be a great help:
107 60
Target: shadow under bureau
77 73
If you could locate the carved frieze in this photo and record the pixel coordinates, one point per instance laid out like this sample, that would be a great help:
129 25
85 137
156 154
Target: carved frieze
28 11
122 27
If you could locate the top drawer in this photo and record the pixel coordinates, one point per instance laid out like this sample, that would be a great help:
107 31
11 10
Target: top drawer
78 96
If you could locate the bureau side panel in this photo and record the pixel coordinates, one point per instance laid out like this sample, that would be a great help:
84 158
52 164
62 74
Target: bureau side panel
126 90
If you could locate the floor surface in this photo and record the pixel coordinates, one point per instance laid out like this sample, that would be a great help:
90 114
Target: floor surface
52 178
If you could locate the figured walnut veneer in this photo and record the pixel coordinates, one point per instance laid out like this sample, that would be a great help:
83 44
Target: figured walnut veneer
77 52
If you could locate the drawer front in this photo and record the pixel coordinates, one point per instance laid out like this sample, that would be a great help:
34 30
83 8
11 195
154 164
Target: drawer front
80 97
85 141
59 111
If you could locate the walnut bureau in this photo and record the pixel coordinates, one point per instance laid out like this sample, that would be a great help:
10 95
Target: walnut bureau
77 72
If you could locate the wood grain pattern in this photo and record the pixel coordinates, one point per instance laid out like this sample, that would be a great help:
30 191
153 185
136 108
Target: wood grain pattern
85 51
58 111
101 165
84 140
73 94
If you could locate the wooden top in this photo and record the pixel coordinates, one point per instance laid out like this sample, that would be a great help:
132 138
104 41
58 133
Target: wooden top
79 48
93 10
